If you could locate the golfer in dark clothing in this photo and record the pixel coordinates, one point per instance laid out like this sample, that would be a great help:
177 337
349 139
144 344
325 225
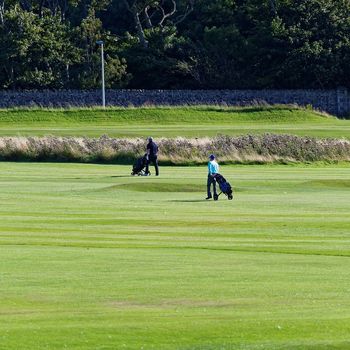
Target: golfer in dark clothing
152 153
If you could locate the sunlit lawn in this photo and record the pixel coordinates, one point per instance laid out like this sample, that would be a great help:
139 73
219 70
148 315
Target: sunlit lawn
170 122
92 258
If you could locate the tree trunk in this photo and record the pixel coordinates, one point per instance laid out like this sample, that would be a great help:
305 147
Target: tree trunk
148 21
273 7
63 9
41 6
140 32
136 15
2 11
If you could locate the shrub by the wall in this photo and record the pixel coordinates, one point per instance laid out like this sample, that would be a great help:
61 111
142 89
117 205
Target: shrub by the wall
265 148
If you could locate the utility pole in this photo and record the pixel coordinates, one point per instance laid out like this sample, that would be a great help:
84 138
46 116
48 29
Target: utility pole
100 42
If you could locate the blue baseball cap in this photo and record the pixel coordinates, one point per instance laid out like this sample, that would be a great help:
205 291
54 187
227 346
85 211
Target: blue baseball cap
211 157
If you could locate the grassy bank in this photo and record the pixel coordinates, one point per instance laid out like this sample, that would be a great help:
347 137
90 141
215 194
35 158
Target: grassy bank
92 258
267 148
170 122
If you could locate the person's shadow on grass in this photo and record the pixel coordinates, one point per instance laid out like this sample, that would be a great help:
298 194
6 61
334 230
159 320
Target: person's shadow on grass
188 200
121 176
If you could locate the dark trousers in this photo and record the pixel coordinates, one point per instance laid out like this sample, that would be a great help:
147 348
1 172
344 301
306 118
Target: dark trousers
211 181
154 161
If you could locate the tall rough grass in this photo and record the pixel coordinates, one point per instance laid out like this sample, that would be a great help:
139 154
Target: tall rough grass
267 148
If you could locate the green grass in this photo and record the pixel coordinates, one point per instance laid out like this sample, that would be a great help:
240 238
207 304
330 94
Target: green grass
170 122
92 258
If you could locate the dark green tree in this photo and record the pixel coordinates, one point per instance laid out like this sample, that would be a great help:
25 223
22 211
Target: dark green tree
175 43
34 52
87 74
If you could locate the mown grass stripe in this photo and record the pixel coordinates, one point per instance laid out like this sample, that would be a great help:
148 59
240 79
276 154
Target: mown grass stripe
101 269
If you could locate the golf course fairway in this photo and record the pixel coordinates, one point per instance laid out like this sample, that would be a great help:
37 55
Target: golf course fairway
92 258
200 121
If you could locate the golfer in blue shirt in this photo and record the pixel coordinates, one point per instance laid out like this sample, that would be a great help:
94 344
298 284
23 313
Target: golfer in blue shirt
213 169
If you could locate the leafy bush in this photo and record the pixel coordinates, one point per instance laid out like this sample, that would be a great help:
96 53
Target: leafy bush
265 148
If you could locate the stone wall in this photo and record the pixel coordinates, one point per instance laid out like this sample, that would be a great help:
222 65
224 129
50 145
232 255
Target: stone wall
335 102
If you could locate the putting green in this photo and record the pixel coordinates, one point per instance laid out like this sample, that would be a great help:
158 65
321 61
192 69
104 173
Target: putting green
92 258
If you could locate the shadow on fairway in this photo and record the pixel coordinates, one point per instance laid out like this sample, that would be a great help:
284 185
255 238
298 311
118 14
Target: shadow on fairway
188 200
121 176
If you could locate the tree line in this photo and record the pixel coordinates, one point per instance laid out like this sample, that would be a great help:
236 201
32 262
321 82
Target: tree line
175 44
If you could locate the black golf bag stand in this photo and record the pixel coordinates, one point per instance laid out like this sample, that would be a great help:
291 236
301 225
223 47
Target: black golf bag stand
225 187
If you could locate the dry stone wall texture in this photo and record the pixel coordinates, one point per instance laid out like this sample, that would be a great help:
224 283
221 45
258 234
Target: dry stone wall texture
336 101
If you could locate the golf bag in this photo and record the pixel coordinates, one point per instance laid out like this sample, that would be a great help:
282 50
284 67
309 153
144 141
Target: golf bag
225 186
139 166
